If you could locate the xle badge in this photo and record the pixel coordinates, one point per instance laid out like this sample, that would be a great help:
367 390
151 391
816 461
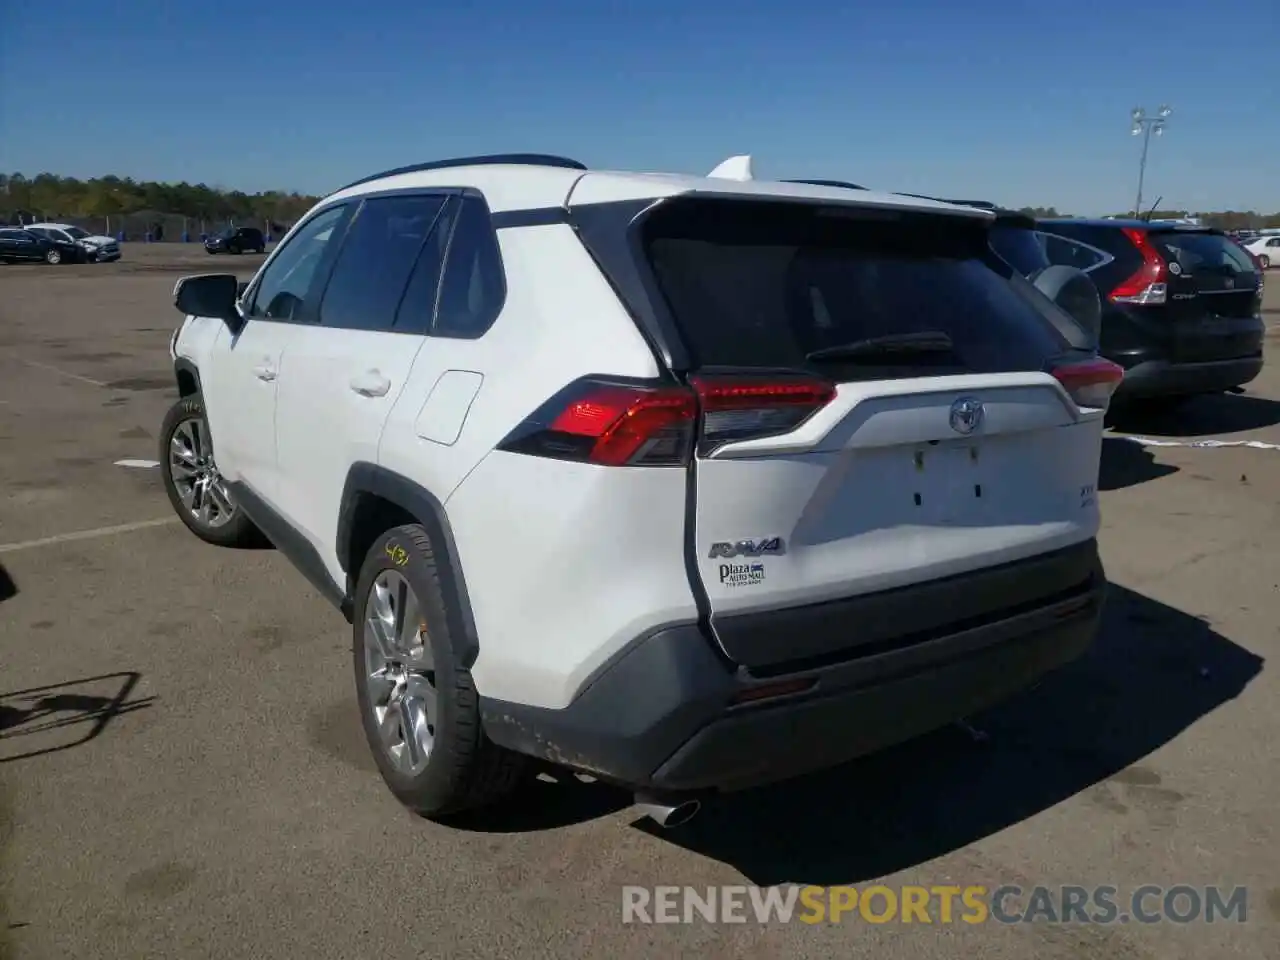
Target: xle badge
741 574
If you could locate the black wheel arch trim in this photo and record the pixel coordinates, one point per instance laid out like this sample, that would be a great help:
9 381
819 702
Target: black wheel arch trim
182 366
371 479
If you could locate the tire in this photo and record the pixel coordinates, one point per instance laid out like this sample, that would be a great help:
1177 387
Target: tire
205 506
459 769
1264 261
53 257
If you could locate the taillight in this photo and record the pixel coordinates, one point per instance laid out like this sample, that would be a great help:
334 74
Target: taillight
611 423
739 408
614 423
1090 383
1150 283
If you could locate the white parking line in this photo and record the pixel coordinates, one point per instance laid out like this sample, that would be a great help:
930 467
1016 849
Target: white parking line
85 534
1202 444
137 464
62 373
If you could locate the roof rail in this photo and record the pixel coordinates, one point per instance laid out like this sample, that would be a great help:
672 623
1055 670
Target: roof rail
517 159
829 183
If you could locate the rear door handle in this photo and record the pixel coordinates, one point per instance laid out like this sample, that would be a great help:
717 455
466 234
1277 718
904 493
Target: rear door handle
265 372
371 383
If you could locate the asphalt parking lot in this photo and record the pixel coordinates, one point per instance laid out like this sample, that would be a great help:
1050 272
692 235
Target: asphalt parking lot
182 772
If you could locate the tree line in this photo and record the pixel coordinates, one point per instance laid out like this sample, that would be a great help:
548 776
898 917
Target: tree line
1222 219
49 195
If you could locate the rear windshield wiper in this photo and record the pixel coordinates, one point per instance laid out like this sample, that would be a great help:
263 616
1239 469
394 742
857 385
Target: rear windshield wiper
892 345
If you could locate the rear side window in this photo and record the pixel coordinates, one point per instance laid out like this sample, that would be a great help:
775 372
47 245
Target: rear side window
377 257
474 289
418 305
1207 254
1070 253
1020 248
764 285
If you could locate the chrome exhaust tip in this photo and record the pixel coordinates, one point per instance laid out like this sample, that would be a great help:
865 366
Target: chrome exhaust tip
668 814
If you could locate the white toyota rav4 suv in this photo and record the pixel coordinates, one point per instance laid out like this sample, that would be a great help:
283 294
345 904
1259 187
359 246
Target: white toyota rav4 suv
690 483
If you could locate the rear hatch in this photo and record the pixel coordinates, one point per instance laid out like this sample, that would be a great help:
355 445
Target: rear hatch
883 404
1214 294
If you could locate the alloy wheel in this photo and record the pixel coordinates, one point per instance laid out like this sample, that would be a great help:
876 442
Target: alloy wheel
400 673
200 486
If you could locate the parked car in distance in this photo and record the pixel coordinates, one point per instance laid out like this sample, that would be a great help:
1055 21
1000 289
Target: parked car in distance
852 461
18 244
1266 249
1181 304
237 240
1015 239
97 247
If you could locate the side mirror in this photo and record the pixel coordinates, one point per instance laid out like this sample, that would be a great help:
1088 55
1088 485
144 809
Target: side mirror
1075 293
241 287
210 295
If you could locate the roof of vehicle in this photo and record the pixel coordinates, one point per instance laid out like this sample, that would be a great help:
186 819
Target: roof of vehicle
513 182
56 226
1005 216
1131 223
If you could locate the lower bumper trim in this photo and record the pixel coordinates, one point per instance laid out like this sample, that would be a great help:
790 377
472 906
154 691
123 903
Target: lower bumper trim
672 715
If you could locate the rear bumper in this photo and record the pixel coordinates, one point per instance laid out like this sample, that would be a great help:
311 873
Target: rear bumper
671 714
1162 378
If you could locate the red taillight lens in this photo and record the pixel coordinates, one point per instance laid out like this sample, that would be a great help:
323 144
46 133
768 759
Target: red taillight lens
1150 283
1090 383
612 424
742 408
631 424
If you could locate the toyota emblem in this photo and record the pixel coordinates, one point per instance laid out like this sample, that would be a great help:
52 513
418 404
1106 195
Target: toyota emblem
967 414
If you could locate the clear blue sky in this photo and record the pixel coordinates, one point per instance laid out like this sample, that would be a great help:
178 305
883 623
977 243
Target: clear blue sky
1016 101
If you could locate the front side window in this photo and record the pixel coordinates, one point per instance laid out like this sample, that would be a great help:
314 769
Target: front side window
75 233
286 280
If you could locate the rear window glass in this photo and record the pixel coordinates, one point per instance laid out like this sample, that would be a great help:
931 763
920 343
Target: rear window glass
764 285
1203 253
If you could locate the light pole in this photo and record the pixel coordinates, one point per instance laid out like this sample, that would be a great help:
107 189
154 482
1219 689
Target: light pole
1144 125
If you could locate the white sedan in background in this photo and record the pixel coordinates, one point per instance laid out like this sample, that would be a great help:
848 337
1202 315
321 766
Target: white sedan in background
1266 249
100 248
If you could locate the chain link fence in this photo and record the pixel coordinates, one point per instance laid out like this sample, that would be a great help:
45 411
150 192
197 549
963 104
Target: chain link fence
149 225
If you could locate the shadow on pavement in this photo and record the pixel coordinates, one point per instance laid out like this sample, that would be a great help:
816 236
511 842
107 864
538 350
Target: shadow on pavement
1199 417
1127 464
8 588
66 706
1153 672
555 798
